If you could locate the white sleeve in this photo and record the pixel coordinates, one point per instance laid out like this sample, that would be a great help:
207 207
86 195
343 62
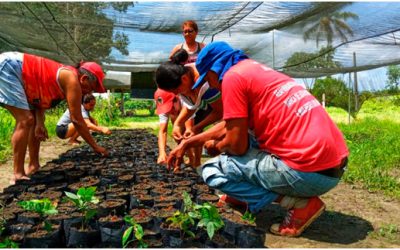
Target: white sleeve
163 118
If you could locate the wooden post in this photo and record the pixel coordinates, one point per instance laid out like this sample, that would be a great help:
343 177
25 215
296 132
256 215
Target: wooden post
122 108
323 100
109 104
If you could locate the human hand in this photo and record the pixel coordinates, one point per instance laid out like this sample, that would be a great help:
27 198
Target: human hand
175 158
189 132
177 132
41 133
106 131
102 151
162 159
211 148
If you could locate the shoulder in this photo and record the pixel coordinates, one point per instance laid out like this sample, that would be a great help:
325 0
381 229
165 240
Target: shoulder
67 78
202 45
178 46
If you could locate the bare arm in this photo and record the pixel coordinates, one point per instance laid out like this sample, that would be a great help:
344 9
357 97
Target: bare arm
162 142
95 127
73 93
179 124
215 115
216 132
236 138
40 129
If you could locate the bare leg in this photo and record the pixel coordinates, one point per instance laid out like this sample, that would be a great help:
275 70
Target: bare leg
24 122
73 140
34 147
72 134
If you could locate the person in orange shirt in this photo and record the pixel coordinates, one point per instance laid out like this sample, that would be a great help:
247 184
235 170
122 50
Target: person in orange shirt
31 84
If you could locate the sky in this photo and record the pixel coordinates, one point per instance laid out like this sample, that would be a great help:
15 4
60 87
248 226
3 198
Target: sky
150 47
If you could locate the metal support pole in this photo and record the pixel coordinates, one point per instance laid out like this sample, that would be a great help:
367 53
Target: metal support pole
355 83
273 49
349 103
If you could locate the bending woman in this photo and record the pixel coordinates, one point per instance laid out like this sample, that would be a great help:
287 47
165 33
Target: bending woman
31 84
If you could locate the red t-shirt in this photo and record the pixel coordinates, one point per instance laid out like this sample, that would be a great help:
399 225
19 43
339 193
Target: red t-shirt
286 119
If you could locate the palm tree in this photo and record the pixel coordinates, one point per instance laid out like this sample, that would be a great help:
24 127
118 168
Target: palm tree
330 25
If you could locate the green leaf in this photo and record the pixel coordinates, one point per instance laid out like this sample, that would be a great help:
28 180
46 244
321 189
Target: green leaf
126 235
90 213
129 219
190 233
210 230
142 244
48 226
139 233
72 196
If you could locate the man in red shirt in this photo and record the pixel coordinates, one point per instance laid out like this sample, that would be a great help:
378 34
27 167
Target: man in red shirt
277 141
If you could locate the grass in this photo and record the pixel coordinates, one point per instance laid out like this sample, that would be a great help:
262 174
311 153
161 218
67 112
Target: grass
374 145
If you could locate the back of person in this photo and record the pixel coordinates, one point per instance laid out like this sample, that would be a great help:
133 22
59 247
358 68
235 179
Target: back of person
41 83
287 120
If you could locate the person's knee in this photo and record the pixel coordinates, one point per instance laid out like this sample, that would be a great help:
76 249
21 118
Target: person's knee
27 122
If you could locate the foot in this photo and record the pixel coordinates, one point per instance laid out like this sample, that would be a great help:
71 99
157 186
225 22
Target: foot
74 142
16 178
226 199
32 168
298 219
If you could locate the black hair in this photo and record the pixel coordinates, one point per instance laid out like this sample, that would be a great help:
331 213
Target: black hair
87 98
168 74
180 56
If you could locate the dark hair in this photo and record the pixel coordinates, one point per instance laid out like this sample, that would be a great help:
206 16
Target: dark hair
192 24
168 74
88 98
180 57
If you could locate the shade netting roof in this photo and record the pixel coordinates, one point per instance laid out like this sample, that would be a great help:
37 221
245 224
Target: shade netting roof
137 36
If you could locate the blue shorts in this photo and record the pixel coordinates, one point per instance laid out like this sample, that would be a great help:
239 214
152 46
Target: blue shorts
12 91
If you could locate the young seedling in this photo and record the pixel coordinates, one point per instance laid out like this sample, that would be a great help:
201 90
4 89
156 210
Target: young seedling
7 243
43 207
137 230
249 217
209 218
82 200
184 220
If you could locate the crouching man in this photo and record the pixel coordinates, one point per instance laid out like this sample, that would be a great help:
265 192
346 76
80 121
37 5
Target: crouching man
298 153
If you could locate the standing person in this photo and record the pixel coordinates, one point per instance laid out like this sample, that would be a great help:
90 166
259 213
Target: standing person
66 129
189 31
204 102
300 153
193 48
31 84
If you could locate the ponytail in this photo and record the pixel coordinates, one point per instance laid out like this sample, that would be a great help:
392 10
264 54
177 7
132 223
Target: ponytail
180 57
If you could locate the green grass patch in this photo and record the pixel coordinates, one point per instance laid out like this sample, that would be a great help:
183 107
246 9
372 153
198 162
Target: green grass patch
339 115
381 108
374 154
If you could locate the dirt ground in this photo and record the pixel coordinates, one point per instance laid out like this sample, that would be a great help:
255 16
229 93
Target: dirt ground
355 218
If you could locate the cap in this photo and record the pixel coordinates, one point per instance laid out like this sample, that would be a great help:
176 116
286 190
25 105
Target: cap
96 70
164 101
218 57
